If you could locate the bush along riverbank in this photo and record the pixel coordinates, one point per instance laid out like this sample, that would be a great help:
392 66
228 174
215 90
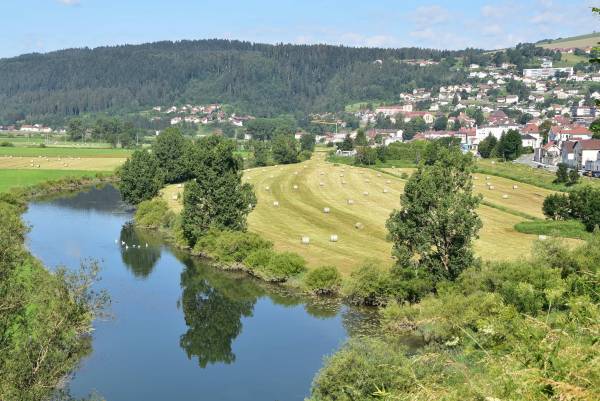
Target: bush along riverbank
59 187
239 250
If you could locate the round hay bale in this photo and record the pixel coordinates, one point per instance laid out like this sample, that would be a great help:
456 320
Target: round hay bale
322 173
504 196
491 187
295 173
487 178
515 187
295 186
378 174
275 203
542 237
174 197
267 188
271 176
305 166
359 226
350 201
365 193
388 181
367 181
341 175
326 210
385 190
475 177
343 182
179 185
305 240
333 238
321 184
493 162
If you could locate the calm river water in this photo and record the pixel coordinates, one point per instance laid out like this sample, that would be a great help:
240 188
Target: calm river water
181 330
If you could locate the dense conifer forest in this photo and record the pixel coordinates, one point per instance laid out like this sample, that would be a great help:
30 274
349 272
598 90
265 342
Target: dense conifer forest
254 78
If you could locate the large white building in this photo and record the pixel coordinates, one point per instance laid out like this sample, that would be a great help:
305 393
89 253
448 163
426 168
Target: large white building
546 72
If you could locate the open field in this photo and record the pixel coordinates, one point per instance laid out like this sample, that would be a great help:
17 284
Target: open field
61 163
64 152
575 41
21 178
526 174
570 60
300 212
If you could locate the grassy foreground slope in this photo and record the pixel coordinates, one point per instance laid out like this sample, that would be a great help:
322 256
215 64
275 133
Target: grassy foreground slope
300 212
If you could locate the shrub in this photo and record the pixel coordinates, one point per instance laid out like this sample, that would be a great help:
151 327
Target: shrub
305 155
154 213
368 285
557 207
275 267
6 144
235 246
323 280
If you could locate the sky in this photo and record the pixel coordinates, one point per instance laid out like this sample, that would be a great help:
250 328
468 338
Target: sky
45 25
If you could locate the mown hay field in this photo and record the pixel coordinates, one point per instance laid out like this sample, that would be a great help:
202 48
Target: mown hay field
300 212
61 163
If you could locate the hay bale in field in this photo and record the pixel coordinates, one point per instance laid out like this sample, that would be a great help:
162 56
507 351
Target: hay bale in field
174 197
350 201
271 176
493 162
305 240
515 187
295 173
385 190
365 193
179 185
475 177
341 175
378 174
321 184
491 187
326 210
333 238
267 188
367 181
542 237
388 181
322 173
295 186
343 182
487 178
359 226
504 196
275 203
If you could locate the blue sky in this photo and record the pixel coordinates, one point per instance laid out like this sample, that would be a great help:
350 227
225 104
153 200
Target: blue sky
45 25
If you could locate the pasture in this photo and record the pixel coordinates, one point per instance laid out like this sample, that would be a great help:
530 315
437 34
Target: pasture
10 178
292 201
72 151
581 42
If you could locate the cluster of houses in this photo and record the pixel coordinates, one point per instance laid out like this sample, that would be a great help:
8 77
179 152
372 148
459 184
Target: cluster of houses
198 114
28 129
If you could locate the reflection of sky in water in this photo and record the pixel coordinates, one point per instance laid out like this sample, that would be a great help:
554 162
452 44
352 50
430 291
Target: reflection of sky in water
256 345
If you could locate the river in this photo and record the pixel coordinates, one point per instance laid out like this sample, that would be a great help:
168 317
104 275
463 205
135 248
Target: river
180 329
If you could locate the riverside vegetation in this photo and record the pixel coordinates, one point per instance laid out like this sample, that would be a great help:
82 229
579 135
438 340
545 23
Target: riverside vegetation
45 316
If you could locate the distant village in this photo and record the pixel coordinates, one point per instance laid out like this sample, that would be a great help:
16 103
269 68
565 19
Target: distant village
554 94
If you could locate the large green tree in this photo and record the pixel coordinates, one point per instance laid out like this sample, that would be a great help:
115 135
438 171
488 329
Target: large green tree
437 223
487 146
170 150
141 177
285 149
510 145
215 197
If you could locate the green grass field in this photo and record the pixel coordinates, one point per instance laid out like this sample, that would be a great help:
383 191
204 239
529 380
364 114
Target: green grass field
525 174
15 178
575 41
64 152
300 212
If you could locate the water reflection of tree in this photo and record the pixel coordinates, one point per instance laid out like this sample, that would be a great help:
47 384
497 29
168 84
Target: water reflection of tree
213 306
140 261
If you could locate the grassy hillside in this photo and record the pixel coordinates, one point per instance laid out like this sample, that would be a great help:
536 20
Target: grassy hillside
300 212
581 41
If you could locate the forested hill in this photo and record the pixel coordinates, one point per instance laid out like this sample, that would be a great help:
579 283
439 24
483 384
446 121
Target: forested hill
255 78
